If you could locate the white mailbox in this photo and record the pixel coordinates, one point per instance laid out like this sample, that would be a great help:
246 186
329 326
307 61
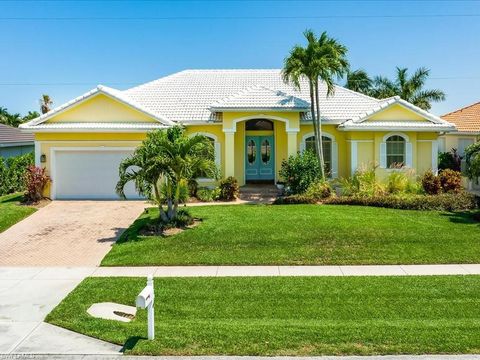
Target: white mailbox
145 300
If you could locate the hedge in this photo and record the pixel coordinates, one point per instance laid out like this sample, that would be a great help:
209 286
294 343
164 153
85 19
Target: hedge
12 173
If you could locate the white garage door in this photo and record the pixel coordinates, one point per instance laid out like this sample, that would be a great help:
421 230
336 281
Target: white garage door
89 174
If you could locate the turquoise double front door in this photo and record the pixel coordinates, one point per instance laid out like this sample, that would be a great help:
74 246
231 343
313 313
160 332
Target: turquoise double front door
259 158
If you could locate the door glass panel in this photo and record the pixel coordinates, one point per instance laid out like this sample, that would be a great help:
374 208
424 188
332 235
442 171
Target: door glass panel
265 150
251 152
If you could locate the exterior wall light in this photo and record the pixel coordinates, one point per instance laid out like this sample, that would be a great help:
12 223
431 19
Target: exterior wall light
43 158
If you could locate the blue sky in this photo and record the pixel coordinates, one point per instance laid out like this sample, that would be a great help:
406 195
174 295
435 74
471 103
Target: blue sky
65 48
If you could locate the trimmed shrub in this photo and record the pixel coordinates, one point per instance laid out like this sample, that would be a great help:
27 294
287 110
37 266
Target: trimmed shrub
229 189
12 173
208 195
319 190
431 183
450 180
443 202
299 171
36 180
295 199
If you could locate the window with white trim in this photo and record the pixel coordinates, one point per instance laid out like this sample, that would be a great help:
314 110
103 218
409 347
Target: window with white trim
327 150
395 151
216 152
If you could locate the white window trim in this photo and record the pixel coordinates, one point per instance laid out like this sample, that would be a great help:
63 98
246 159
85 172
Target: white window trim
334 150
217 152
408 151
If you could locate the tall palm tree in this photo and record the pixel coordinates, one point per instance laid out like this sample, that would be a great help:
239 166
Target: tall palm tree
359 81
167 158
408 88
45 103
321 60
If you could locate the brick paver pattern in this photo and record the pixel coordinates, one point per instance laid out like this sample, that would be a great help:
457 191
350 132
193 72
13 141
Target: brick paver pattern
67 233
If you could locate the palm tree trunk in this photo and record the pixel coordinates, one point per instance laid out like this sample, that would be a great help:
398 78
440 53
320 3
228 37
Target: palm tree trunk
312 111
163 215
319 130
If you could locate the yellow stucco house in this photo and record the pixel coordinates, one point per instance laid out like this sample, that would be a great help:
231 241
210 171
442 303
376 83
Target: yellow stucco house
253 118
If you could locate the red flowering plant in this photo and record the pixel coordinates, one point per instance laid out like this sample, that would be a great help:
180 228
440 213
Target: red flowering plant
36 180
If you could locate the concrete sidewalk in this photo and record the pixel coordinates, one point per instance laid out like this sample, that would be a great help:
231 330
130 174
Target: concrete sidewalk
343 270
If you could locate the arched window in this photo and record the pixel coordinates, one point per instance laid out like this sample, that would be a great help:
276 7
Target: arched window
396 151
259 124
327 150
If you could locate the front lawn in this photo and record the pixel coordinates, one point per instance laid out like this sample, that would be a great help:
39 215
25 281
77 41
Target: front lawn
305 234
11 211
286 316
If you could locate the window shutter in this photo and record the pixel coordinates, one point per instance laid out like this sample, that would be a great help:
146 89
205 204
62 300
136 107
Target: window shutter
408 160
217 154
383 155
302 146
334 159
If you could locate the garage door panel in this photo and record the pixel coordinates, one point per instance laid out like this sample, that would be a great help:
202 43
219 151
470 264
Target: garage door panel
89 174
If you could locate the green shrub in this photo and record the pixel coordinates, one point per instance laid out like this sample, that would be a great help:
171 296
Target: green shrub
472 159
12 173
229 189
319 190
442 202
362 183
183 192
450 180
192 187
397 182
299 171
295 199
208 195
449 160
431 183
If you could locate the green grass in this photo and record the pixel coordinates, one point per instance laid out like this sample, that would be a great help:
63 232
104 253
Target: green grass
11 211
305 234
286 316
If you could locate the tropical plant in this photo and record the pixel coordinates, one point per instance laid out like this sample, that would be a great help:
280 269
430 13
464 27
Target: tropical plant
450 160
358 80
408 88
450 180
36 180
229 189
472 160
362 183
16 119
167 158
45 103
31 115
208 195
431 183
12 173
319 190
321 60
300 171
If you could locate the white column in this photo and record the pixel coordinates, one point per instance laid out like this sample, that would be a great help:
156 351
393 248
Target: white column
292 146
353 157
38 150
229 153
435 156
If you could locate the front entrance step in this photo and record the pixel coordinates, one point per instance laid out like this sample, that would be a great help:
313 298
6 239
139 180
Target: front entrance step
262 193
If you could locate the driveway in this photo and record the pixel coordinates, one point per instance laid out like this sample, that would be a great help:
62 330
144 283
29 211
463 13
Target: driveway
67 233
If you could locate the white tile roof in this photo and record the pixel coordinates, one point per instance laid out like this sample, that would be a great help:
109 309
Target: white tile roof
260 98
187 96
396 125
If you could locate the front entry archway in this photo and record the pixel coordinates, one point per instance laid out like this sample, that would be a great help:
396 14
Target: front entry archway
259 151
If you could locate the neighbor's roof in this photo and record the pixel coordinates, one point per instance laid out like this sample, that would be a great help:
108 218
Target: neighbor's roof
10 136
397 125
466 119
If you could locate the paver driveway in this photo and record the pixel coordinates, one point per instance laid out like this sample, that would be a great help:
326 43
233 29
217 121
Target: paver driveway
67 233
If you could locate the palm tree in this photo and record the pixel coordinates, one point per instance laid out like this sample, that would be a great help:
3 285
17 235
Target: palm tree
45 103
167 158
408 88
321 60
31 115
359 81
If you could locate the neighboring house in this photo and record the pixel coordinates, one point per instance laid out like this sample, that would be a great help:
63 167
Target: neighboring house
467 122
252 117
14 142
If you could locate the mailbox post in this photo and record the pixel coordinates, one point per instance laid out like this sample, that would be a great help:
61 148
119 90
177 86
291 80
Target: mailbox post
145 300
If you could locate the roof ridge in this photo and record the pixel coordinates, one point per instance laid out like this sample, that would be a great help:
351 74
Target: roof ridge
357 93
461 109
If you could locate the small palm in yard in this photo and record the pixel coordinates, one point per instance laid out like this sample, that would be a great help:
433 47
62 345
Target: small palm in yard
165 160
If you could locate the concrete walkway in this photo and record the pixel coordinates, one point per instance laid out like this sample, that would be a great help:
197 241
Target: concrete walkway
27 295
343 270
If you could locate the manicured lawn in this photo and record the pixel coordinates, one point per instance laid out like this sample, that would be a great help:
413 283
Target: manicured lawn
287 316
305 234
11 211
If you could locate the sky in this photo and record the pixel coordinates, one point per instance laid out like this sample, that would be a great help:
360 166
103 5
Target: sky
65 48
